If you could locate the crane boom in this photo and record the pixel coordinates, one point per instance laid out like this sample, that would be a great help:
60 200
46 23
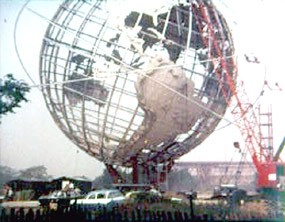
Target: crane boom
248 126
279 151
244 113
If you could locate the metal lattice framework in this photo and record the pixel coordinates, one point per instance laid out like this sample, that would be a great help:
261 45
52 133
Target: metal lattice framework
97 70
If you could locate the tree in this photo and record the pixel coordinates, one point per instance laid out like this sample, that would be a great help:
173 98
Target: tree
12 92
34 173
103 181
6 174
181 180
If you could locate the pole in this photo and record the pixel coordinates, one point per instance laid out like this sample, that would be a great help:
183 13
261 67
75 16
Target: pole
135 170
191 206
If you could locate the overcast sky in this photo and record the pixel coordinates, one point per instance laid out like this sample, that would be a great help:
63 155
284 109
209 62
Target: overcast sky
30 137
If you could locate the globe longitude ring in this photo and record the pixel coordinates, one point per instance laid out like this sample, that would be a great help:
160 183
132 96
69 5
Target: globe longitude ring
147 82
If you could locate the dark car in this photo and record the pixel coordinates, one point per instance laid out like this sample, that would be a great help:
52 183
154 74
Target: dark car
144 196
189 194
231 193
58 199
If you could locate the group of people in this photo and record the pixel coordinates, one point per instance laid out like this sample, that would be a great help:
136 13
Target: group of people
7 192
70 190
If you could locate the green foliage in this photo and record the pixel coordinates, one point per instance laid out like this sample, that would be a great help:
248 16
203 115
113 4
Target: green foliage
12 92
34 173
181 180
6 174
103 181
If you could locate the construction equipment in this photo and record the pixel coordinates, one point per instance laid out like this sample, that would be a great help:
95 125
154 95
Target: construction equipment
270 169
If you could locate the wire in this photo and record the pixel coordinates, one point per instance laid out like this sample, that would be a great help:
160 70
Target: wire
15 41
253 104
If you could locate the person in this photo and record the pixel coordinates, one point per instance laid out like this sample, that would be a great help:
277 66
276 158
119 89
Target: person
9 193
77 191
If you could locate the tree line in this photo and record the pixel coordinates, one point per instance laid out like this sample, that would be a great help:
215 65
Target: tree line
175 178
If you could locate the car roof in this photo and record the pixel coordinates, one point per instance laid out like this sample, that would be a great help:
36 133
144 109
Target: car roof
228 185
104 191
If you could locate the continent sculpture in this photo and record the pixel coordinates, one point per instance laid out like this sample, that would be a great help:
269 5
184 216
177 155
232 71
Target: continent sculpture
139 87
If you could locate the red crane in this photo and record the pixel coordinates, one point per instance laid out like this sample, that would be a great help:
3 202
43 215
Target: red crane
270 169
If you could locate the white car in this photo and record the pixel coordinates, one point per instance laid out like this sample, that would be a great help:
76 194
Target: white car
101 197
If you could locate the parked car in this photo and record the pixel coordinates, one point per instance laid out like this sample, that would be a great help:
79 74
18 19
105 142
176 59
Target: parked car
58 198
189 194
224 190
230 192
144 195
101 198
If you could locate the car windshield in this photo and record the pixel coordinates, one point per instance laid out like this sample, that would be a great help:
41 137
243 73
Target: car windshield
92 196
100 196
115 194
58 194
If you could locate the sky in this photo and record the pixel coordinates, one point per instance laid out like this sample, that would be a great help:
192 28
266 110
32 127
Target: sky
29 137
